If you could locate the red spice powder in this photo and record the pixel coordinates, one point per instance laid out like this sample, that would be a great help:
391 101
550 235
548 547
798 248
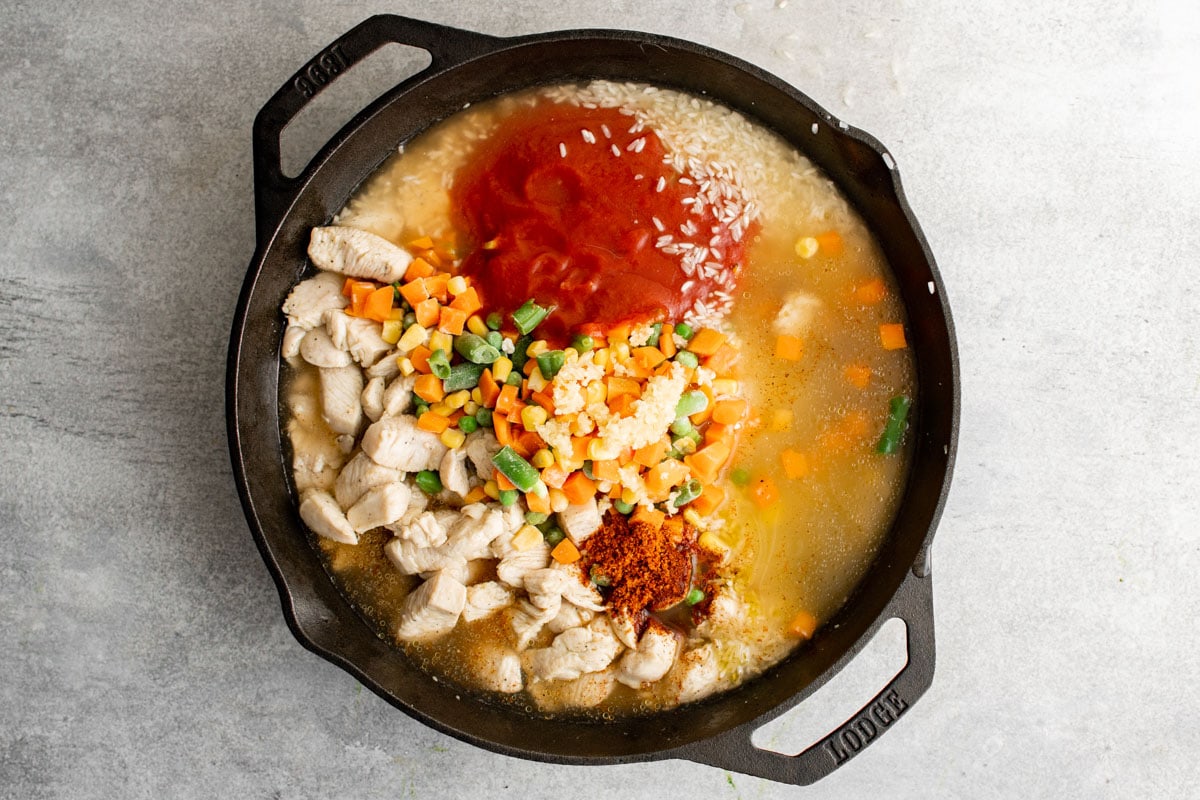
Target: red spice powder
648 568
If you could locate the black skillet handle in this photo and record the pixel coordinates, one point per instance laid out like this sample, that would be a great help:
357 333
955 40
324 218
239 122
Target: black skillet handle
447 47
734 750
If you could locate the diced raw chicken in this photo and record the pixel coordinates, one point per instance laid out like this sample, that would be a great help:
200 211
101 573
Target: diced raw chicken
359 476
290 348
411 559
380 506
398 443
454 567
453 471
513 567
485 599
429 529
574 652
432 609
696 675
319 350
386 368
625 628
527 621
653 657
480 447
397 398
797 314
324 517
581 520
345 443
308 301
361 337
726 610
497 668
570 616
561 581
472 535
587 691
372 399
357 253
341 403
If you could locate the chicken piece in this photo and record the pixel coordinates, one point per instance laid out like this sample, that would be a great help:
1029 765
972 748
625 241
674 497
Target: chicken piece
372 399
308 301
362 338
431 609
398 443
796 316
387 368
581 520
324 517
695 675
319 350
587 691
410 559
290 347
453 471
357 253
485 599
497 668
514 566
561 581
570 616
380 506
480 447
398 397
472 535
653 657
527 621
625 628
574 652
430 529
359 476
341 403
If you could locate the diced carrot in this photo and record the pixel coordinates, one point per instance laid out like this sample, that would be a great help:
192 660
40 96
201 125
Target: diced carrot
451 320
433 257
730 412
795 465
622 404
666 342
414 292
565 552
530 442
476 495
437 286
419 268
618 333
665 369
638 370
434 423
871 292
554 476
891 336
651 454
648 357
579 488
788 347
489 390
422 243
708 501
502 429
379 304
429 388
803 625
426 312
467 302
347 287
579 447
706 462
615 492
503 482
830 243
607 470
507 400
618 386
420 359
648 516
359 292
664 476
859 375
724 360
545 401
538 503
701 417
706 342
764 492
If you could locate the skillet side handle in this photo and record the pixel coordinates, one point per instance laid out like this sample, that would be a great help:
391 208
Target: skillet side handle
447 47
913 604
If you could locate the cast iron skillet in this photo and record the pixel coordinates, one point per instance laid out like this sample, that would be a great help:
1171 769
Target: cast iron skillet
469 67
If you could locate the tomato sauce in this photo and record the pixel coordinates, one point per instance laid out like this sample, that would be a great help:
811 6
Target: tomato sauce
560 206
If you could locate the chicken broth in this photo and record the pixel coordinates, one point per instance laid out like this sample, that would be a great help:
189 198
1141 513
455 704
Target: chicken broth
758 447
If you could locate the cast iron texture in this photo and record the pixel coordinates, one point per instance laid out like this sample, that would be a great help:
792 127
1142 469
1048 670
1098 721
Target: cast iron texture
467 68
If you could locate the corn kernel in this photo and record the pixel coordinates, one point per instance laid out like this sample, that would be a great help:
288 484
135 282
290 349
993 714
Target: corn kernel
709 540
441 341
456 285
622 351
781 419
724 386
601 357
536 381
806 247
477 396
595 393
537 348
501 368
569 353
453 438
391 331
542 458
457 399
470 407
532 416
441 409
526 537
628 496
685 445
492 490
476 325
406 366
558 500
396 314
414 337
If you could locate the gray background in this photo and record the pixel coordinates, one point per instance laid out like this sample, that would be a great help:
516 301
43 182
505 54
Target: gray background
1049 151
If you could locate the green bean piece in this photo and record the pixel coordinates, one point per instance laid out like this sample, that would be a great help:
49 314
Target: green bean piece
475 349
484 417
410 319
468 424
439 364
508 497
654 337
694 596
587 470
682 426
684 330
421 408
529 316
599 578
688 492
550 362
536 517
893 431
494 339
428 481
583 343
461 376
522 474
520 353
687 358
740 476
553 535
494 320
692 402
623 507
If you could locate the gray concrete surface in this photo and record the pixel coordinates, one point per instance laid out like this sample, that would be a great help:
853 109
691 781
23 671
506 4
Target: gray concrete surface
1049 151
